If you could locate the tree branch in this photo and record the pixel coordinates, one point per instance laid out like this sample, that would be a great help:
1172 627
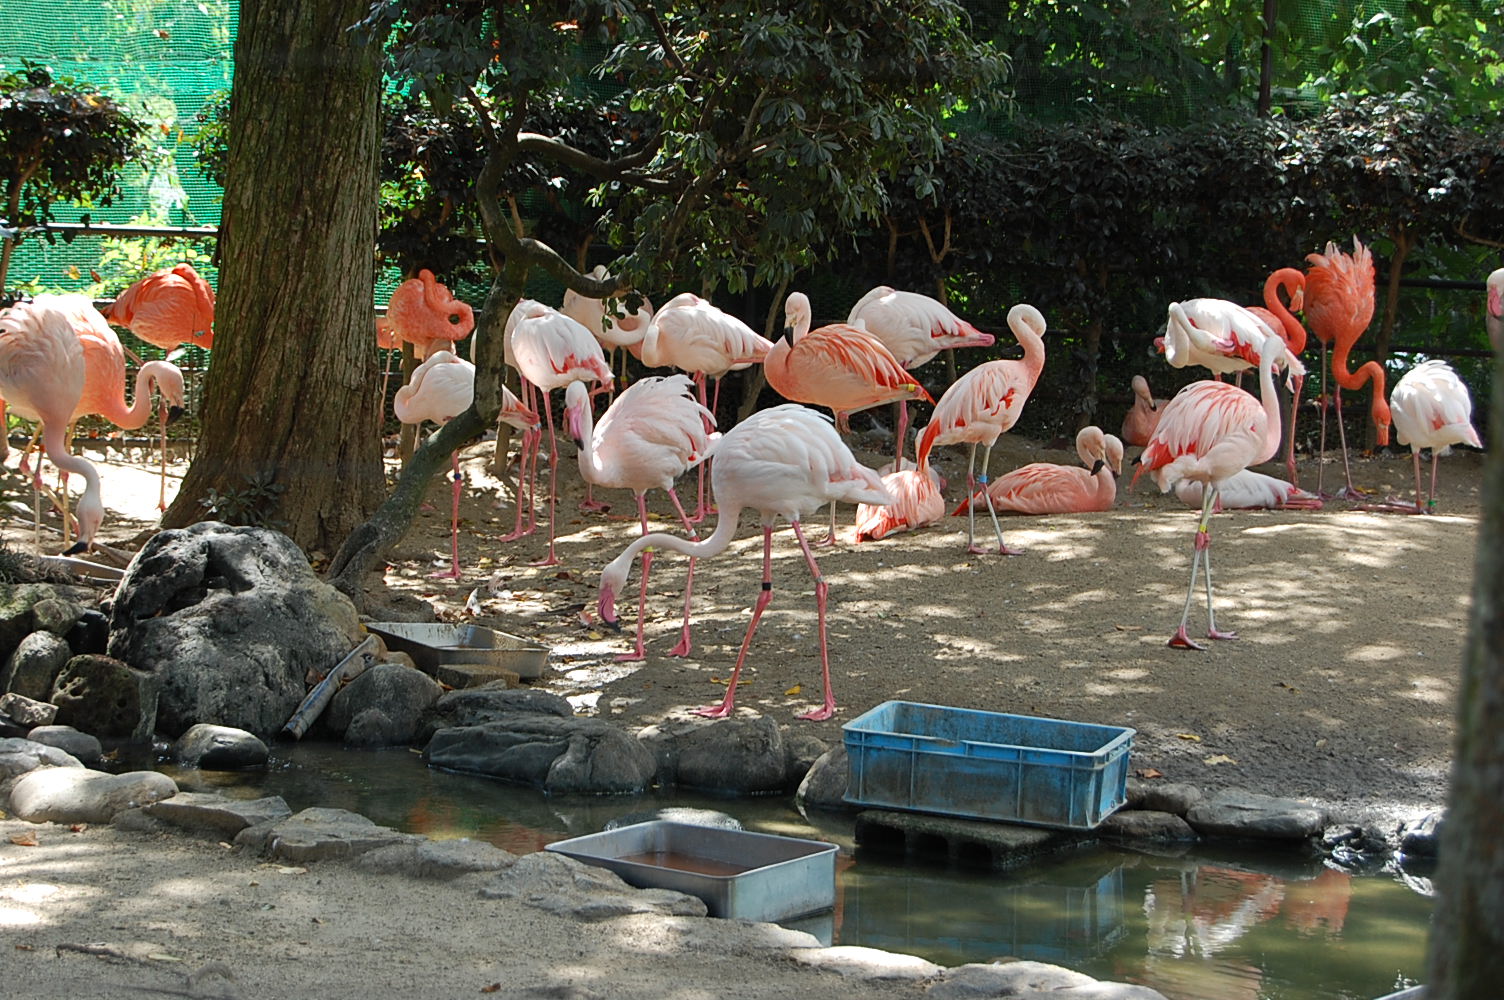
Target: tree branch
624 169
1461 228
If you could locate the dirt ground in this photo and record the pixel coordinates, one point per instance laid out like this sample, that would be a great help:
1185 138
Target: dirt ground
1341 686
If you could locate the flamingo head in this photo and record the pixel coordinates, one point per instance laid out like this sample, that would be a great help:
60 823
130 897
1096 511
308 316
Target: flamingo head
90 515
1496 294
576 398
796 315
1114 454
605 604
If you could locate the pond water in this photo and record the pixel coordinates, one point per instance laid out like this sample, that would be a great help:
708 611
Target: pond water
1213 925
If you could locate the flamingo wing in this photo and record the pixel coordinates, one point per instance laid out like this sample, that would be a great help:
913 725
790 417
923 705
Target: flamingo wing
916 503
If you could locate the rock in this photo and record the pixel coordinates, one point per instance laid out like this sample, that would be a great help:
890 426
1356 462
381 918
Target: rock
800 750
487 703
1233 813
103 696
220 748
31 670
1162 796
560 756
78 795
867 963
372 728
437 859
1422 838
568 887
21 756
824 786
90 634
401 694
1031 981
736 756
232 620
55 615
1355 847
218 814
81 746
1147 824
319 835
25 712
16 616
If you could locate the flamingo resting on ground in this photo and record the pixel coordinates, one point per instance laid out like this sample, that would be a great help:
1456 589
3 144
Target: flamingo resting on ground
652 434
442 388
168 307
1046 488
422 312
1209 432
1142 416
983 404
916 502
1339 307
1493 315
914 328
786 461
42 378
1249 490
1432 409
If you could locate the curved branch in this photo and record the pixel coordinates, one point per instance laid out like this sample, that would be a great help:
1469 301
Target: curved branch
624 169
1461 228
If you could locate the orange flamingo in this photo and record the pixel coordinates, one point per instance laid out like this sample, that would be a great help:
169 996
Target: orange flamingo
983 404
1339 307
916 502
1432 409
1047 488
441 388
1209 432
42 378
422 312
169 307
651 435
1142 417
786 461
1493 316
1281 319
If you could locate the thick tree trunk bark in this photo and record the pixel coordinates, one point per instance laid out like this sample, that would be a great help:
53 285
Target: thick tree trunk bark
291 373
1467 931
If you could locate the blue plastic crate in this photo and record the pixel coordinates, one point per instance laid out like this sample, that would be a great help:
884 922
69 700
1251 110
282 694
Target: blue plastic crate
986 765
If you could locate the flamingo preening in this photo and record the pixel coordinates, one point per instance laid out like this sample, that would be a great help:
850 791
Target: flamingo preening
422 312
916 503
1142 417
652 434
614 330
786 461
984 403
1209 432
168 307
1431 408
1249 490
1046 488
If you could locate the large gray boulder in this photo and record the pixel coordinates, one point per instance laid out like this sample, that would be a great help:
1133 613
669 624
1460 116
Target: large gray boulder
736 756
18 615
560 756
233 620
487 703
101 695
35 664
399 694
78 795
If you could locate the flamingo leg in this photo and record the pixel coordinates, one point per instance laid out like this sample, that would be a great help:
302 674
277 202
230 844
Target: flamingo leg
724 709
453 573
830 539
551 559
1295 394
1321 461
639 653
822 589
1431 497
162 486
997 528
903 429
682 649
700 511
971 491
527 471
1212 632
1180 640
1348 492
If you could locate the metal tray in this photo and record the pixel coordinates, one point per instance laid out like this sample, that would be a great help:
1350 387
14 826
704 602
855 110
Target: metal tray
739 874
434 645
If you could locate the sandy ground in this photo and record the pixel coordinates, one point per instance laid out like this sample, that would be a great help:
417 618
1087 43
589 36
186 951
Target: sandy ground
1341 688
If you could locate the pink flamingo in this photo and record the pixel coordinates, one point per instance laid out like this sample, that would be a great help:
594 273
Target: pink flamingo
786 461
1432 409
551 351
1209 432
1281 319
422 312
1046 488
1493 316
42 378
104 377
914 328
1339 307
1249 490
168 307
441 388
1142 417
694 336
983 404
916 503
614 331
651 435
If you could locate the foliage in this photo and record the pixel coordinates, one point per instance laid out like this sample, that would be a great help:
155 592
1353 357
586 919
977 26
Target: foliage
248 506
211 143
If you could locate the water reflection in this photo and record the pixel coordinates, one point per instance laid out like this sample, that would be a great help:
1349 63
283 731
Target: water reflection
1217 924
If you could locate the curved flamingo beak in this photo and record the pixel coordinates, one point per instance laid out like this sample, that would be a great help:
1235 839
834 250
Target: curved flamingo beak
174 412
606 608
572 423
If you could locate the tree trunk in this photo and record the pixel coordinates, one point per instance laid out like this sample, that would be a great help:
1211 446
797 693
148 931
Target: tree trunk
291 397
1467 930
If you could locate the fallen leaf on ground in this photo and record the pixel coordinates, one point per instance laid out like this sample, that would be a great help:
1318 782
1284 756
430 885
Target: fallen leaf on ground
1148 773
795 689
1129 628
1188 736
493 988
1220 758
78 827
23 839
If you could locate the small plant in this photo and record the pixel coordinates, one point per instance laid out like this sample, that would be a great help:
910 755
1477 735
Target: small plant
248 507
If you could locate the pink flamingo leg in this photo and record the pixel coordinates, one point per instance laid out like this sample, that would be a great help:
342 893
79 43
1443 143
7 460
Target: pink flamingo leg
590 504
683 648
973 483
162 484
527 451
725 708
638 652
827 709
700 508
1348 492
1321 460
903 430
553 483
453 573
1295 394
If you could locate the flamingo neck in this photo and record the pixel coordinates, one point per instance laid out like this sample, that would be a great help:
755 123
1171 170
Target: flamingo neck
1292 281
90 509
589 460
712 545
1033 345
1269 399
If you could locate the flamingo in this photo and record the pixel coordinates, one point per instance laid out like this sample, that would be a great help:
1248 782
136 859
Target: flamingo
440 389
1339 306
1281 319
1249 490
1046 488
104 377
983 404
916 502
168 307
422 312
1209 432
914 328
551 351
1493 316
651 435
786 461
613 331
1143 415
42 378
1432 409
692 335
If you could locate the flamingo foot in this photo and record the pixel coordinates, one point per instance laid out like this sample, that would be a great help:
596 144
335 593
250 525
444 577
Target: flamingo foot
819 714
1351 493
1182 641
1394 505
720 711
512 536
1002 550
636 656
551 560
446 574
828 542
682 649
1221 636
594 506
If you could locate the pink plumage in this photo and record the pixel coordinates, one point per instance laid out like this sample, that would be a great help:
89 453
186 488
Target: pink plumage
1249 490
1047 488
1142 416
168 307
916 503
424 313
912 326
1431 408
